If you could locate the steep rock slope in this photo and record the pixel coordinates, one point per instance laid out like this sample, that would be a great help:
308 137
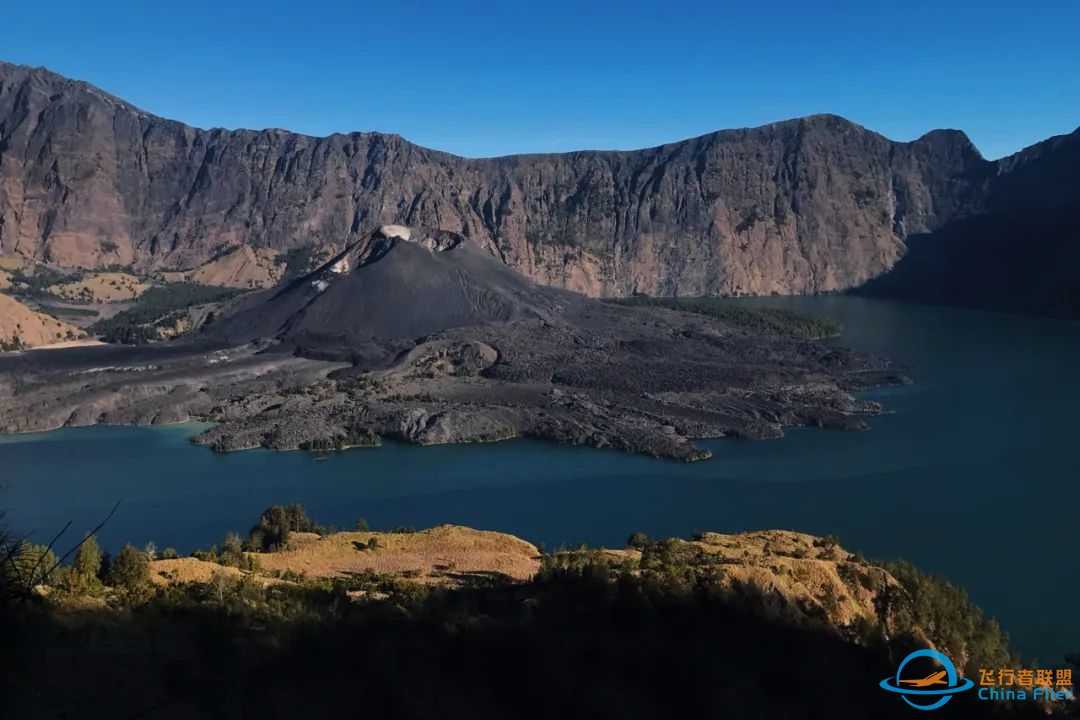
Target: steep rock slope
808 205
799 206
1018 251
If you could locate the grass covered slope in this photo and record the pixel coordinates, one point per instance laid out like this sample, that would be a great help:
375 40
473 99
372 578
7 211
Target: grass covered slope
101 288
445 555
240 267
767 624
22 327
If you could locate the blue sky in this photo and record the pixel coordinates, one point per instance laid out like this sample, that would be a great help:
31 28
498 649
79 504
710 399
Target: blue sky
479 77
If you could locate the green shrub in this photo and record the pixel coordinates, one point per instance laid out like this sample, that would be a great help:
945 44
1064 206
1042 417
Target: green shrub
34 283
232 550
276 523
160 306
953 623
130 569
768 320
298 261
29 565
87 559
827 541
82 578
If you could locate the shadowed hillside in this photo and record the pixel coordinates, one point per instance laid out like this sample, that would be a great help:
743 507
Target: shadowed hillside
755 625
1018 253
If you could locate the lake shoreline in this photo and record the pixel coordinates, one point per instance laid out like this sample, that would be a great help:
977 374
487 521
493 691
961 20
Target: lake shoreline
959 455
857 384
645 380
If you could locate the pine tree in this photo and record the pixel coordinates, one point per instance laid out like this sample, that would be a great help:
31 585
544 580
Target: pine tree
130 569
85 568
87 560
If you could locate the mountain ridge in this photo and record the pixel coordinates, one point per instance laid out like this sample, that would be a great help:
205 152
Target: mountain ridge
6 67
807 205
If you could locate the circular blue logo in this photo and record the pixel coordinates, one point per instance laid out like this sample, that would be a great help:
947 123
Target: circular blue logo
941 683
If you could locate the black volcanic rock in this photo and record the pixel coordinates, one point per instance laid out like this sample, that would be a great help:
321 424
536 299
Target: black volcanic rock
420 336
809 205
392 287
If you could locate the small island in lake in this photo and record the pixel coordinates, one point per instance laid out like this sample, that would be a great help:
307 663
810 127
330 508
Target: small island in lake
414 334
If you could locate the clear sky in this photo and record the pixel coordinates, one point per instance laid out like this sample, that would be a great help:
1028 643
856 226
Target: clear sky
490 77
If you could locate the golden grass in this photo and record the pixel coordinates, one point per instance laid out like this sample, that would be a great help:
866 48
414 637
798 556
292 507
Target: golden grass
102 287
447 554
84 342
791 569
32 328
185 570
245 267
802 569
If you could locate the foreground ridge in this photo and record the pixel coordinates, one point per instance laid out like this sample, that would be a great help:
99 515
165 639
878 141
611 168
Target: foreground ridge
370 614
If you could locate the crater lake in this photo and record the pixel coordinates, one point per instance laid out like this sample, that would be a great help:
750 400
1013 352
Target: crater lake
971 474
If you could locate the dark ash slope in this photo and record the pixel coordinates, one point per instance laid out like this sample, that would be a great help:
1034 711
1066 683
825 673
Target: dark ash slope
388 287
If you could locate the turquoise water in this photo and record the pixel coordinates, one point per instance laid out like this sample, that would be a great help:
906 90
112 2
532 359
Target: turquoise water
973 476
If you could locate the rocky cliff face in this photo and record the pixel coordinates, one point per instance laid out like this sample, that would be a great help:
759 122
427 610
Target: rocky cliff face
1016 249
809 205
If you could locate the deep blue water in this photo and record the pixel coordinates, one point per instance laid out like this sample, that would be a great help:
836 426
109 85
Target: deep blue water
973 476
